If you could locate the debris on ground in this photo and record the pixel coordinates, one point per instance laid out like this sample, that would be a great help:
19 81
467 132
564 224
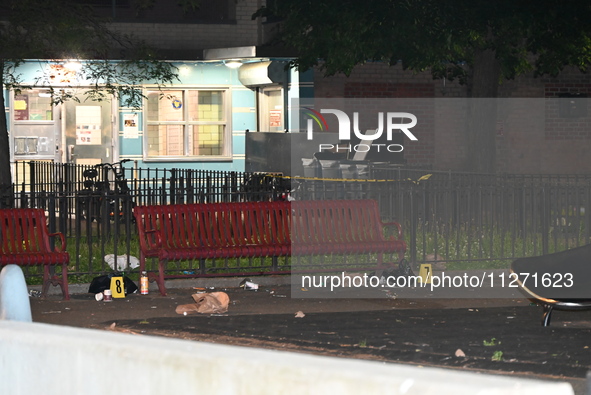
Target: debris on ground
300 314
389 294
248 285
497 356
460 353
122 262
206 303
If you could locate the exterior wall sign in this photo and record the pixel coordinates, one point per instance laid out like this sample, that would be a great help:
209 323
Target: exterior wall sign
275 118
130 129
21 108
88 125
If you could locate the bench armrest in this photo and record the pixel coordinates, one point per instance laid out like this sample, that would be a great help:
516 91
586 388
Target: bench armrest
153 240
397 225
60 235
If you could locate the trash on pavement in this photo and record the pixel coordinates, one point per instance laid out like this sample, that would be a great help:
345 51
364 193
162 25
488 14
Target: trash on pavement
248 285
300 314
206 303
144 283
122 262
100 283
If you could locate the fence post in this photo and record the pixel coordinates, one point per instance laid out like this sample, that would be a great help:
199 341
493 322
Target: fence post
545 219
172 186
33 181
163 196
51 226
190 189
587 213
52 217
413 226
208 189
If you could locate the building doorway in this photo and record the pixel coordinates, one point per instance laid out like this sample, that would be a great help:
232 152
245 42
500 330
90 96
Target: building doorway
88 131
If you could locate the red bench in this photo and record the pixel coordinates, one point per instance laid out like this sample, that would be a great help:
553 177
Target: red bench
25 241
262 229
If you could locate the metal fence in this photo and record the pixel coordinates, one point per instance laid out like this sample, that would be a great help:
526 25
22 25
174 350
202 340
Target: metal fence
459 220
473 220
93 205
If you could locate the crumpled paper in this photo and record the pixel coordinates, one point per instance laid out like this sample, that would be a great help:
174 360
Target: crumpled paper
206 303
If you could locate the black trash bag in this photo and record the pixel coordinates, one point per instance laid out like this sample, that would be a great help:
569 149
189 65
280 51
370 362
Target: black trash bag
100 283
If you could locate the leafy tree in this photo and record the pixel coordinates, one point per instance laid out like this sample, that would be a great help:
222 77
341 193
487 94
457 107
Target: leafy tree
479 42
66 29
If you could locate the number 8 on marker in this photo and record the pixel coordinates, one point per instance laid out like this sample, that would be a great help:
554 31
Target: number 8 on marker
117 288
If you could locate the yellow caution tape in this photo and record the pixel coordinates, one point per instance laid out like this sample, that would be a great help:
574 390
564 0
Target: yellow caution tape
422 178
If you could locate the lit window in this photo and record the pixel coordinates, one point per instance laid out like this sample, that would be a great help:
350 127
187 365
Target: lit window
187 124
33 105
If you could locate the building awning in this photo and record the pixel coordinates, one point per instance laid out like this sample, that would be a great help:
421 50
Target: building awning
263 73
257 67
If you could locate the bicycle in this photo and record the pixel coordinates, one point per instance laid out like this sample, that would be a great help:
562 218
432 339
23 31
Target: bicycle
265 187
98 199
89 198
119 199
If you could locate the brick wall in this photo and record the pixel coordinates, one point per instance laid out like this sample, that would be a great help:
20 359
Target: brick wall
552 142
532 137
436 144
194 37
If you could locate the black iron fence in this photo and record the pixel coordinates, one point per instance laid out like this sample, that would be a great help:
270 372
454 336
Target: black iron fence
93 205
459 220
471 220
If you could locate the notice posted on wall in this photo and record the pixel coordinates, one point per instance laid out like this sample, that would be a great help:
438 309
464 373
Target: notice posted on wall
130 129
88 125
275 118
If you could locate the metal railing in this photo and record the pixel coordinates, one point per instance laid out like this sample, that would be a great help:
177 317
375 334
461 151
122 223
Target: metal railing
474 220
461 220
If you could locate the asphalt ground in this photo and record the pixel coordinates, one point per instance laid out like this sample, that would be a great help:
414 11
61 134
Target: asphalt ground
492 335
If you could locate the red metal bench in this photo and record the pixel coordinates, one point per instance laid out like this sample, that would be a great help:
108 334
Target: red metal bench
25 241
262 229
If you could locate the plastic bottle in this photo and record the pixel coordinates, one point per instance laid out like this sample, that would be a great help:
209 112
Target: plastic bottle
144 283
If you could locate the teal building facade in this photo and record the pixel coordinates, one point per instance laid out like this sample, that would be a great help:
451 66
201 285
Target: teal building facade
199 122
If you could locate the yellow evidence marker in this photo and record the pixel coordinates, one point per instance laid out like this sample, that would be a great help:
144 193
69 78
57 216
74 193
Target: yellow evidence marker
117 287
425 273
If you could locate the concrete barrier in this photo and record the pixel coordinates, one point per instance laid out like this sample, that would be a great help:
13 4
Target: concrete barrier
14 297
47 359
